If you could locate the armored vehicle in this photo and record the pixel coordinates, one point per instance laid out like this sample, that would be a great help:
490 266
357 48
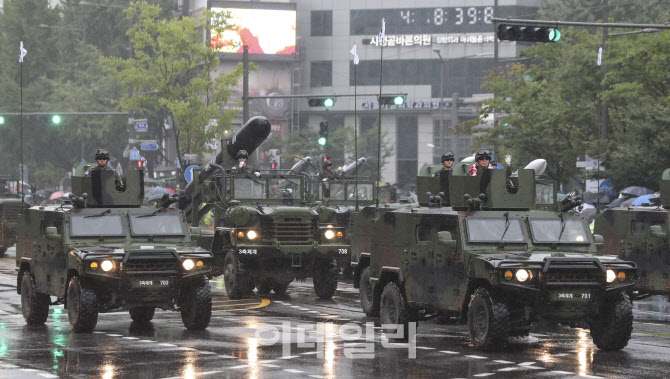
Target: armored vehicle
493 261
10 207
640 234
265 236
101 251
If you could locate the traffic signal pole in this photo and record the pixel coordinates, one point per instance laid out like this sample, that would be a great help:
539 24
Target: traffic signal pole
556 24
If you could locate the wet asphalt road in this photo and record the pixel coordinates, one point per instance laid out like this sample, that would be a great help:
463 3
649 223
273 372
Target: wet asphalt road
238 344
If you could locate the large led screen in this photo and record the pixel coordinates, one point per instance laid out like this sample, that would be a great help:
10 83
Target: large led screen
266 31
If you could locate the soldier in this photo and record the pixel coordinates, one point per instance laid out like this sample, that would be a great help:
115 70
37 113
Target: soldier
242 168
444 174
102 158
328 173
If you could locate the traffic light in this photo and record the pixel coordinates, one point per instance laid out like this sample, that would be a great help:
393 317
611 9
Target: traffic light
323 133
321 102
392 100
529 33
56 119
139 164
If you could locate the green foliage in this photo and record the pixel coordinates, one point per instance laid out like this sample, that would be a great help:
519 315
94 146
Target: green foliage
173 71
645 12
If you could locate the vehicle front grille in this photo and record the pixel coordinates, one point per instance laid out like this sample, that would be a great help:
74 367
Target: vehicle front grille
565 277
10 212
293 232
134 265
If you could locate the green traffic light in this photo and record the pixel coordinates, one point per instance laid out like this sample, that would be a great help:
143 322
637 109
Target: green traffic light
399 100
322 141
56 119
2 120
554 35
328 102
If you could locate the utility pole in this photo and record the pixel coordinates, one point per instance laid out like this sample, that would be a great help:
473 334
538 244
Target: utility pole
605 112
245 85
439 55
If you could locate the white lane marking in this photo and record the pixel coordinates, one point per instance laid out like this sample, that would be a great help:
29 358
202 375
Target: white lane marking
269 365
591 376
166 344
527 363
226 357
130 338
238 367
99 332
449 352
47 375
294 306
313 312
206 352
267 361
293 371
425 348
310 353
147 341
475 356
650 323
561 355
485 374
114 335
28 369
509 369
290 357
533 367
563 372
317 376
186 348
209 372
8 365
504 362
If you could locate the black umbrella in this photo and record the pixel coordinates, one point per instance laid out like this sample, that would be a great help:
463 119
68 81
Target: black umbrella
636 191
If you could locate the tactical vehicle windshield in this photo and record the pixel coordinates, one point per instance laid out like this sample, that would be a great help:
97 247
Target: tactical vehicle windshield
96 225
267 187
495 229
284 189
339 190
160 224
246 188
553 230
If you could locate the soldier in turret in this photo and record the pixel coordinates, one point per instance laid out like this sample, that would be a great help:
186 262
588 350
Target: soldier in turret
444 174
328 173
102 159
242 168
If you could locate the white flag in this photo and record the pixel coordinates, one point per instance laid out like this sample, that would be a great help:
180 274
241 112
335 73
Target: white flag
382 32
600 55
353 51
22 52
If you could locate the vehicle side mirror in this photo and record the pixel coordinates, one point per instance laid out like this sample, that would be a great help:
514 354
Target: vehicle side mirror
195 231
445 239
599 241
657 231
52 233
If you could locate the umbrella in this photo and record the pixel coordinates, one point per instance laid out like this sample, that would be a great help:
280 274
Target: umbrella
169 189
642 200
636 191
628 202
153 191
56 195
619 201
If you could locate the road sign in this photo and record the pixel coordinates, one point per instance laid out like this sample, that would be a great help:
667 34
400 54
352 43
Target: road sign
141 126
149 146
188 174
135 155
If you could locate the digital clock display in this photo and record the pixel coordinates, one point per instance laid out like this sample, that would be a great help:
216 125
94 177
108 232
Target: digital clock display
430 20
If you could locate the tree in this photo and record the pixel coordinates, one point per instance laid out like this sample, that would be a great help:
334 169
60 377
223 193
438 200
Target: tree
173 70
655 11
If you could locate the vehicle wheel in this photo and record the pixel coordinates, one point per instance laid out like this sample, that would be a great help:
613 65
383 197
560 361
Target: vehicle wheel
613 329
142 315
366 293
35 306
82 306
237 285
394 309
488 321
325 279
264 286
196 308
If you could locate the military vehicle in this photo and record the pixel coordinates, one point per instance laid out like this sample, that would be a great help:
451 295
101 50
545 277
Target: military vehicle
265 236
10 208
101 251
492 261
640 234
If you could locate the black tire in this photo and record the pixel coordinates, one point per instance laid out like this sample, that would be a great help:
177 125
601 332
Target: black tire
142 315
613 329
196 307
325 279
2 251
82 306
394 309
264 286
488 321
366 293
35 306
237 285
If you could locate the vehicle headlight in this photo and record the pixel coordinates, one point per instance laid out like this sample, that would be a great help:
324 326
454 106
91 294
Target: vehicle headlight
107 265
509 275
522 275
94 266
252 234
188 264
611 275
621 276
329 234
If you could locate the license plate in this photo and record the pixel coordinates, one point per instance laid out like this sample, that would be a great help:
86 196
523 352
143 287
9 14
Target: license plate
571 296
151 283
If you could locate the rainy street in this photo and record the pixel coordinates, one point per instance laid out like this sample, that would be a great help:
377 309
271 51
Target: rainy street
303 337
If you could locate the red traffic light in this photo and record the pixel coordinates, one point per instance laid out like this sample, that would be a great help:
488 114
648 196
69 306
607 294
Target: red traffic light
139 164
273 166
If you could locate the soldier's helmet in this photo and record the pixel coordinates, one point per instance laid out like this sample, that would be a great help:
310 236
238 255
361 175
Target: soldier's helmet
242 154
102 154
482 153
447 156
327 163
